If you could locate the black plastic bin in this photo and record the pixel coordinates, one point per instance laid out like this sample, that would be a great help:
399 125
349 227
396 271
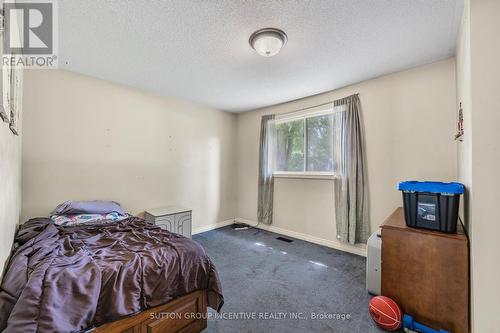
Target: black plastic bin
431 205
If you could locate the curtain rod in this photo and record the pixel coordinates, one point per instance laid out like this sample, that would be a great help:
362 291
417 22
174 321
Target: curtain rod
314 106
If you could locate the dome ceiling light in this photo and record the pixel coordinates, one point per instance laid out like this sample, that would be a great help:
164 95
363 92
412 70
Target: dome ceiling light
268 42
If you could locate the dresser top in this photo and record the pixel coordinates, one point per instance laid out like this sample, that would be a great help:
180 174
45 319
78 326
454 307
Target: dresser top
167 210
397 221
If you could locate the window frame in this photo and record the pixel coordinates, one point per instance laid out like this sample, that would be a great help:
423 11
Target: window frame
316 111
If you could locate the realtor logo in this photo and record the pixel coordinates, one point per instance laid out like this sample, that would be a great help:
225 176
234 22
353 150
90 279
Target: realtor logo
30 33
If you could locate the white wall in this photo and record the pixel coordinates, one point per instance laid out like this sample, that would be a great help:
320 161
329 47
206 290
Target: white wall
464 97
10 189
90 139
479 87
409 119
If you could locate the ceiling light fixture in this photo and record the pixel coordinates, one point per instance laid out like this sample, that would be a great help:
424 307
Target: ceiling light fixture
268 42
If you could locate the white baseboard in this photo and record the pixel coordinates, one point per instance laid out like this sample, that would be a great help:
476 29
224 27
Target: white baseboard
355 249
213 226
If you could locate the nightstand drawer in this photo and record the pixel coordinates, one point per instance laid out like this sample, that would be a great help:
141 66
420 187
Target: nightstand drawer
166 223
182 224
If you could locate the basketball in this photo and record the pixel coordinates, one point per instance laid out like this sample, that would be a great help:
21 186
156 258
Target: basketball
385 313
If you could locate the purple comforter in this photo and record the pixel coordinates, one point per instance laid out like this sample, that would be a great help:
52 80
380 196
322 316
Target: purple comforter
67 279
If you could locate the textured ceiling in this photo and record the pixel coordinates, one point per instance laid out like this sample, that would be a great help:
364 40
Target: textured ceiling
198 50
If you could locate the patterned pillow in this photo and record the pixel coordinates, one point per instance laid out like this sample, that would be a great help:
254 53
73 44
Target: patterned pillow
74 219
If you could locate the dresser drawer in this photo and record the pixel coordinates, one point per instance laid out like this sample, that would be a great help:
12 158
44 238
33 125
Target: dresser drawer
185 314
175 319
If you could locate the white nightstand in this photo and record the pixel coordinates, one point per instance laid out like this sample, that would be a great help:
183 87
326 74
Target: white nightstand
172 218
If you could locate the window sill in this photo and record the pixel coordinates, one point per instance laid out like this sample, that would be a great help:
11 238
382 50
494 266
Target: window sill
302 175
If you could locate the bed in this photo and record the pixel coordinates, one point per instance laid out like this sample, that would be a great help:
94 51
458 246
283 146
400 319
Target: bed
125 276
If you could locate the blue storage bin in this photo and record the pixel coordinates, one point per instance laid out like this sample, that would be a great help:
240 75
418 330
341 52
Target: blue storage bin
431 205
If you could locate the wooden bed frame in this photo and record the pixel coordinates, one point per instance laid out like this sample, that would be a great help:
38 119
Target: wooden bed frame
186 314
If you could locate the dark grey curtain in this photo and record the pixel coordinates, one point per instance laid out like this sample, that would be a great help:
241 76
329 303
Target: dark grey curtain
266 179
351 186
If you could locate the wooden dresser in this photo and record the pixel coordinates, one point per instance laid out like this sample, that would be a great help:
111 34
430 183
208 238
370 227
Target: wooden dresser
426 273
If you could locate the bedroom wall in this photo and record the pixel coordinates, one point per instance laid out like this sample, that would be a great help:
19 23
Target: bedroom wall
409 120
479 85
90 139
464 96
10 189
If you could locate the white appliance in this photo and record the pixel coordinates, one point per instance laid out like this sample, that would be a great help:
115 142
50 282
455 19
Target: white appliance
374 263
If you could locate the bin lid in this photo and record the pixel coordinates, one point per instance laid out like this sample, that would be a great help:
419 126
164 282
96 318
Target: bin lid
431 187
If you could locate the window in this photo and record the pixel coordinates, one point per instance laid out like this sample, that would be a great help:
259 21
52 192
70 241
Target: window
304 143
290 146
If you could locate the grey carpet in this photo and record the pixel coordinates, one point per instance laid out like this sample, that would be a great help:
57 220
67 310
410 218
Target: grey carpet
263 276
